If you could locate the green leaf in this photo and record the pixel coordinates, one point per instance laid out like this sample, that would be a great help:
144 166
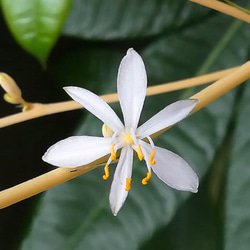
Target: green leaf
36 25
237 202
76 214
193 227
198 224
185 53
81 67
112 19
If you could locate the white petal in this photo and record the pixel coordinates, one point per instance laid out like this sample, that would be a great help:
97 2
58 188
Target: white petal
96 105
131 87
76 151
118 194
172 169
168 116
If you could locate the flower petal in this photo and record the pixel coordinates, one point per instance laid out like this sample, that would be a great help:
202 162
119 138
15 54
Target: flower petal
118 194
172 169
168 116
131 87
96 105
76 151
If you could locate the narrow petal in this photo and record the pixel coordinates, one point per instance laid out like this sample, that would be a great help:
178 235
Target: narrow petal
131 87
96 105
118 194
168 116
76 151
172 169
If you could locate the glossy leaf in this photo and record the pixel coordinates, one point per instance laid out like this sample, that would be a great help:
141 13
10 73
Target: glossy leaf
76 214
198 224
237 202
111 19
36 25
194 226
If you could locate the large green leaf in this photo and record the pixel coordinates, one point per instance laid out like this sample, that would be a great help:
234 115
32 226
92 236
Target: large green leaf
81 67
237 202
112 19
193 227
198 224
76 214
36 24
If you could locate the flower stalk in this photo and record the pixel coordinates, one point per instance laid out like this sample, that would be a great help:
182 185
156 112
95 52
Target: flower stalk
225 8
39 110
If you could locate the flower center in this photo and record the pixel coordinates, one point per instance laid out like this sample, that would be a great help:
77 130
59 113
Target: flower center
122 139
128 139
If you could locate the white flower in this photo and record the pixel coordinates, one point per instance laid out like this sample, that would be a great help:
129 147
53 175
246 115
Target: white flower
80 150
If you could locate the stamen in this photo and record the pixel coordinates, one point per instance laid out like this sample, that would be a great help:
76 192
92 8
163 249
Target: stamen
106 170
150 141
139 152
146 179
113 154
151 158
133 136
128 184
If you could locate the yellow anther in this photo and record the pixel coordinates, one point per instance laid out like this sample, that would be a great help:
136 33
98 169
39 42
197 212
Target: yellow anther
151 158
128 184
146 179
128 139
106 170
113 154
106 131
139 152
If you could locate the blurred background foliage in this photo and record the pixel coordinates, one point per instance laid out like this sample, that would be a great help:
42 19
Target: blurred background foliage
48 44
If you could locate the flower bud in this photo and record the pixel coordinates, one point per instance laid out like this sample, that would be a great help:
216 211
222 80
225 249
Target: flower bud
10 87
106 131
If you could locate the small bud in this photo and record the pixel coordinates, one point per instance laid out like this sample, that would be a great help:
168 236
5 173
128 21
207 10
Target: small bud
13 93
10 87
106 131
